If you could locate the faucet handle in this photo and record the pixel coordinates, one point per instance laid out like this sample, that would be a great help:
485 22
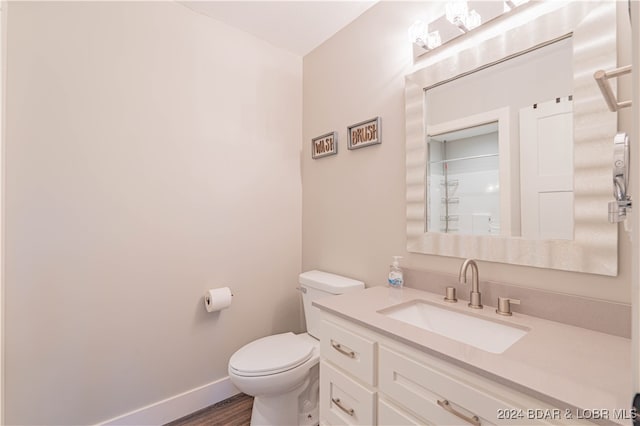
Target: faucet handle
504 305
450 295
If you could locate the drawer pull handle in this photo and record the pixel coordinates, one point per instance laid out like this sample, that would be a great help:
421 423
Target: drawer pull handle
349 411
475 421
338 347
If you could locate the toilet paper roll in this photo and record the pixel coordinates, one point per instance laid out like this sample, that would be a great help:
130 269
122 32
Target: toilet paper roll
216 299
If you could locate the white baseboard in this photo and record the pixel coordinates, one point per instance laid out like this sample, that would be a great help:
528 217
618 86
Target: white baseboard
177 406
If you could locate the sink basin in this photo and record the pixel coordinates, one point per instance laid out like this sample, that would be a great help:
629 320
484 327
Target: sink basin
491 336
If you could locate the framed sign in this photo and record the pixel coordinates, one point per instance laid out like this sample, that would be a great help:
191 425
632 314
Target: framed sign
324 145
364 134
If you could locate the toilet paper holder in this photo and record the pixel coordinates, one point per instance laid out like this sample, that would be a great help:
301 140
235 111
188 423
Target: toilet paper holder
217 299
207 299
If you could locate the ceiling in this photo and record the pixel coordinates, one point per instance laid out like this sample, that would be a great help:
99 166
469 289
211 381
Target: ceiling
297 26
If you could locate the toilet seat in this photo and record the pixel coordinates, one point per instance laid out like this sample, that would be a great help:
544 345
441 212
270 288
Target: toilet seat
271 355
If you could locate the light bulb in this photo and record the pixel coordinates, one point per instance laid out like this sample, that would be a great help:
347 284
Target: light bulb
473 20
456 11
434 40
418 33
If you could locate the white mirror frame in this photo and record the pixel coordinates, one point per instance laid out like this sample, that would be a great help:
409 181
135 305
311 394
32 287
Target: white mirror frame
594 248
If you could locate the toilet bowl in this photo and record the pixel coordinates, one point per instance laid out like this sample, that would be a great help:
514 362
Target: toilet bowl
281 371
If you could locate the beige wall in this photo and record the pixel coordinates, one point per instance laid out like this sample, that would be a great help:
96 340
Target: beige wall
354 203
139 173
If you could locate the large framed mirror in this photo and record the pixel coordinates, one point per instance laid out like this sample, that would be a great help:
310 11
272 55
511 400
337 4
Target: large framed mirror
517 172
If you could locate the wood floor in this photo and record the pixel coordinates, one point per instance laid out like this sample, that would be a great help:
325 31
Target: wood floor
234 411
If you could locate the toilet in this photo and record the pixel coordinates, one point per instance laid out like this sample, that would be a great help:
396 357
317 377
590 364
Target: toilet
281 371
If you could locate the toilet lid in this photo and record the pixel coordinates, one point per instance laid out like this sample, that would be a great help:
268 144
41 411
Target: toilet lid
271 355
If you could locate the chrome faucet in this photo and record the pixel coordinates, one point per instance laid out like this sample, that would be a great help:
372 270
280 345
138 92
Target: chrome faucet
474 296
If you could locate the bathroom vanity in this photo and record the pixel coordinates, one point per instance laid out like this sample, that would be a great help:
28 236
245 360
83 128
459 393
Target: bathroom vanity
381 367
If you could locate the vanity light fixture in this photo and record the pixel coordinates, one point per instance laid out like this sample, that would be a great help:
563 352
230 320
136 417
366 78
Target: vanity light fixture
419 35
464 15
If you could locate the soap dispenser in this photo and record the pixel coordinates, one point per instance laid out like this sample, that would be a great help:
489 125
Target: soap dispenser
396 278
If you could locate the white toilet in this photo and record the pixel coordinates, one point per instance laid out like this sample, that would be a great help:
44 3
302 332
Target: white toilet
281 371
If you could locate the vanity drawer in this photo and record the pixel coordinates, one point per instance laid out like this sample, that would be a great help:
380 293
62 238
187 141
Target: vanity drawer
391 416
349 351
438 397
344 401
388 415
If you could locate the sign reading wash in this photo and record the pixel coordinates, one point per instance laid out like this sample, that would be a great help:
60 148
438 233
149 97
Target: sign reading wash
364 134
324 145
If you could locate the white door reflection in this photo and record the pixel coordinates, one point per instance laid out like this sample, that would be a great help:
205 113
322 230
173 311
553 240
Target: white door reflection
546 170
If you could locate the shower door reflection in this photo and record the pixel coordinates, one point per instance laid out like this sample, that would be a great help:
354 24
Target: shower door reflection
464 181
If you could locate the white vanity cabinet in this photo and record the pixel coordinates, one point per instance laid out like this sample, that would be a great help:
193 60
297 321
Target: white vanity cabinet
347 375
368 378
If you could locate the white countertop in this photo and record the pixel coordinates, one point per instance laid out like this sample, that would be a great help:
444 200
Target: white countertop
566 365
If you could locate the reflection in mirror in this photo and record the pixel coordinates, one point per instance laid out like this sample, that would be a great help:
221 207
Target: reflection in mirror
464 181
546 170
589 242
514 181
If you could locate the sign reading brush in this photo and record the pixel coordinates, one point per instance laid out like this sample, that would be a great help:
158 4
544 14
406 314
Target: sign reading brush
364 134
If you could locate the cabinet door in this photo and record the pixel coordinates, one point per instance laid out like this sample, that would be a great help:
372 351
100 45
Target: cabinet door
351 352
344 401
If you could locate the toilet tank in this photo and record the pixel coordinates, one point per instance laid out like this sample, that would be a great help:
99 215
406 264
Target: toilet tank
318 284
